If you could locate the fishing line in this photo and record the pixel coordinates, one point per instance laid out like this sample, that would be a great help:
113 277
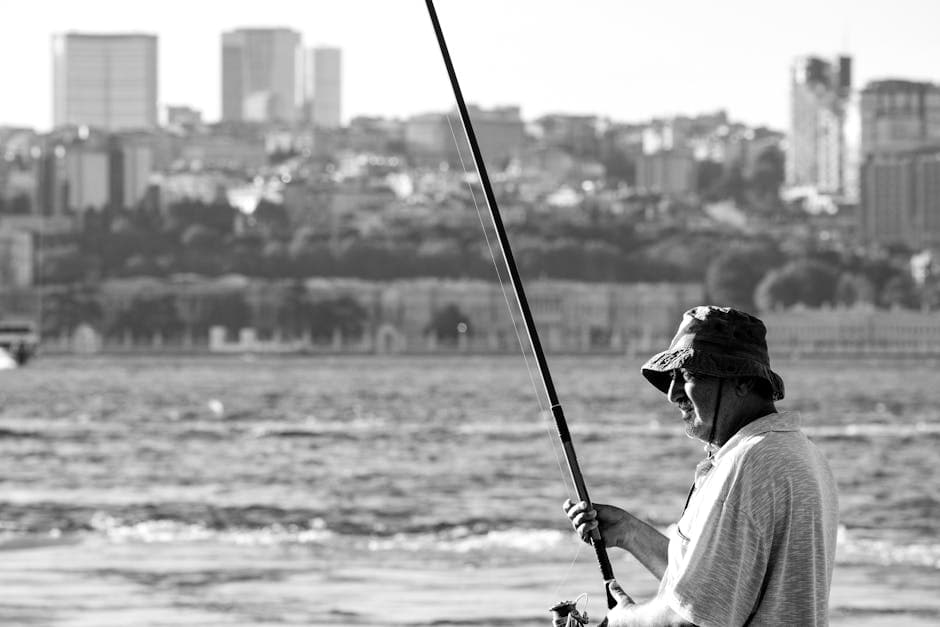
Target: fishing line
538 397
564 582
502 286
564 434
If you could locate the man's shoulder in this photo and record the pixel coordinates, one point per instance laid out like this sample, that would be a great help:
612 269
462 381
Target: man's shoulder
780 464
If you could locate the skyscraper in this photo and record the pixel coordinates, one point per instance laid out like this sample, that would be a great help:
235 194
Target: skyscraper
900 144
820 93
899 115
105 81
261 78
324 76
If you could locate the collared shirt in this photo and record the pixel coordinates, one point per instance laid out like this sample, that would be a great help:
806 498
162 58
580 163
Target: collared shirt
756 542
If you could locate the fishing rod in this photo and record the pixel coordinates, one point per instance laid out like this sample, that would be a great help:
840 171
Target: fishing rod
558 413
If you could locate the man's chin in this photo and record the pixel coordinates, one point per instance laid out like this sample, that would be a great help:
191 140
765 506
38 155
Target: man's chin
692 432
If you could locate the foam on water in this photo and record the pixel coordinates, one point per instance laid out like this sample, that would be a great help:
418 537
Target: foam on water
854 547
171 531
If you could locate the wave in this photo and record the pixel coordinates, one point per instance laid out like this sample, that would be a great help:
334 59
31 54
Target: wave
852 548
855 546
167 531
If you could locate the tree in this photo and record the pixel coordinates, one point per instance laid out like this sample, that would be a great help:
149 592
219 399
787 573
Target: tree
67 265
350 316
63 311
142 265
804 281
229 310
733 276
295 310
148 315
448 323
201 238
769 172
730 185
900 291
20 205
707 175
619 167
853 289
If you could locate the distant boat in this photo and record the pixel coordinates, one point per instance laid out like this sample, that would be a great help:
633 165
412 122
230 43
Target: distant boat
19 339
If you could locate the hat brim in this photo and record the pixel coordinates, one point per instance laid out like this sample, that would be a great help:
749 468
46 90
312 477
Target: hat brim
658 369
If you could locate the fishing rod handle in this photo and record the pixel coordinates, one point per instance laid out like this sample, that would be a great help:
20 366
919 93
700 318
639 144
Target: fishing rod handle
597 541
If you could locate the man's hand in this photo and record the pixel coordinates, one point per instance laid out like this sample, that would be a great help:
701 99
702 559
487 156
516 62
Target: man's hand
623 602
612 522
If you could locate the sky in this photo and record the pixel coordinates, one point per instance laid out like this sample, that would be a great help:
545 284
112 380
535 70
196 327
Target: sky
623 59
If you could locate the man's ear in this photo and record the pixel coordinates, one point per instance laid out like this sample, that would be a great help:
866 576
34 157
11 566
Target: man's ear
744 385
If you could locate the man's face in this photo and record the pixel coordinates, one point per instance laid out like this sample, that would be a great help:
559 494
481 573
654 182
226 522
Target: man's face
696 396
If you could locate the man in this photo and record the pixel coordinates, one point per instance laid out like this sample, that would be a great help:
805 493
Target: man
756 541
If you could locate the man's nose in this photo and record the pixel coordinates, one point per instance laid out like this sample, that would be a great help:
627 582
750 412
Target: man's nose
676 392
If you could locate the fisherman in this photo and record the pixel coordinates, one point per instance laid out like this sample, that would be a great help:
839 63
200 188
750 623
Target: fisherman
755 543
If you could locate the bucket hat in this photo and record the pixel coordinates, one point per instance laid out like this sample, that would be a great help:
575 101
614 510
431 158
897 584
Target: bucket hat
717 341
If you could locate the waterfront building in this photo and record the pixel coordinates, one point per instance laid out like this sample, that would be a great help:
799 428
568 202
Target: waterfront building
852 332
107 81
16 258
820 93
260 75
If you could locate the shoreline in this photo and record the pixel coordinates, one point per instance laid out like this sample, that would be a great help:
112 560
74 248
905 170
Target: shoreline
96 582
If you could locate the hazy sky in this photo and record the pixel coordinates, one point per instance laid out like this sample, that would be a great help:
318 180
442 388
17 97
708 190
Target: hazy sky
625 59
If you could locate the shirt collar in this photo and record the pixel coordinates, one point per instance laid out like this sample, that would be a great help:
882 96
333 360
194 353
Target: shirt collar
779 421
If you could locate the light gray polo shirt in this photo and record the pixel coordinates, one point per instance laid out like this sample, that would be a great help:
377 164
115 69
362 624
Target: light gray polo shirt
756 544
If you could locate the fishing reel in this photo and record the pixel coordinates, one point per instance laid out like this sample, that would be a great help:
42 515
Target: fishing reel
566 613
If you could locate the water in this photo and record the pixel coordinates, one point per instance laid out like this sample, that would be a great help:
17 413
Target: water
404 491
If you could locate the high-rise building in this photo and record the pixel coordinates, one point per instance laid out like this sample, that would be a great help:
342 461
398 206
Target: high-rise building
900 144
820 93
899 115
261 75
105 81
901 198
324 81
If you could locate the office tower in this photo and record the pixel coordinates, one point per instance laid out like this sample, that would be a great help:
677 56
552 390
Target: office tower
105 81
901 198
820 93
899 115
900 144
324 80
261 75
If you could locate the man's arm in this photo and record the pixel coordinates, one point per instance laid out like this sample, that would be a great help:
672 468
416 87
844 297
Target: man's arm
623 530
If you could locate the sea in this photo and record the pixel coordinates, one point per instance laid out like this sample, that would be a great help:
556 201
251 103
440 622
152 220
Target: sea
406 490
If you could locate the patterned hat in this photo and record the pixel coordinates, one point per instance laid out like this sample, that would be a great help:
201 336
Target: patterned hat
717 341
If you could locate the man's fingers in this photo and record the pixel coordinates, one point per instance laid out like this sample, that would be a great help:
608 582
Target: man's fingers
620 595
571 507
616 590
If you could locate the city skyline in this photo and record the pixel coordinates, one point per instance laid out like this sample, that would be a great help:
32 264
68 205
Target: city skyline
540 56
